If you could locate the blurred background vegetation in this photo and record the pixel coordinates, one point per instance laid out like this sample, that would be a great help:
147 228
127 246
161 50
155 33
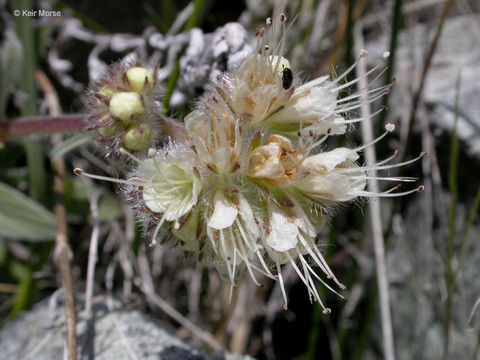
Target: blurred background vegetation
431 238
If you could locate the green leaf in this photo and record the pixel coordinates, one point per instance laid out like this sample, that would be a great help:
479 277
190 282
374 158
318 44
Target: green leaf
68 145
22 218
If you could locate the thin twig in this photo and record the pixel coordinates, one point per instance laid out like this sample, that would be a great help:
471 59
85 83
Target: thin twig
174 314
145 283
62 248
317 29
92 253
409 7
375 211
426 68
453 189
124 341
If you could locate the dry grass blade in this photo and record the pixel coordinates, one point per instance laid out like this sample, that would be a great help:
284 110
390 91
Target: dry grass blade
374 206
62 248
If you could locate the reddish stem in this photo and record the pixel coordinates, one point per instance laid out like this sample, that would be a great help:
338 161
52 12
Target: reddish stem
40 125
43 125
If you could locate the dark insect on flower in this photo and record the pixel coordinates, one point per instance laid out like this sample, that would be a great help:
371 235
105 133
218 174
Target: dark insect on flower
287 78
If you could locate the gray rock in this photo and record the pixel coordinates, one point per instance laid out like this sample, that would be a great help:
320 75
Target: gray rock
202 57
458 52
39 335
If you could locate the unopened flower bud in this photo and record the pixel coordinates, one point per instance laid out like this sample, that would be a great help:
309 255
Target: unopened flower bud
109 130
140 79
124 105
106 91
137 137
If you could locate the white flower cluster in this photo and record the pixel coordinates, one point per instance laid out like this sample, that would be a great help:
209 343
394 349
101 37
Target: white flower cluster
250 189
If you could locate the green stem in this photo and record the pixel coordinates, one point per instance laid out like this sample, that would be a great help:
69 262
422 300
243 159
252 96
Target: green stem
396 23
196 15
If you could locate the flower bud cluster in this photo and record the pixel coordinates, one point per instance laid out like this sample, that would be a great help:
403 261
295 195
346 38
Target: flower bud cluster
123 109
250 188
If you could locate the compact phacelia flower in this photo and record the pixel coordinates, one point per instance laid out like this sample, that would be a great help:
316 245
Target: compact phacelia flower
252 186
124 109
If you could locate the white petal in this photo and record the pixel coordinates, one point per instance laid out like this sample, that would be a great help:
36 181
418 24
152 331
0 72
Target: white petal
303 222
330 160
224 212
222 159
151 200
247 216
332 186
283 231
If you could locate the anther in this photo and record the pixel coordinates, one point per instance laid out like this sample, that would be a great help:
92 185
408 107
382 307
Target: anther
260 32
151 152
386 54
283 17
78 171
152 243
363 53
330 276
423 153
398 187
285 307
384 107
327 311
267 48
421 188
269 21
389 127
342 287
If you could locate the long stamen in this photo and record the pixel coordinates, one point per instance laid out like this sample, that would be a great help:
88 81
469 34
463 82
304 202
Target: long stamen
389 194
78 171
380 89
313 145
363 53
388 129
388 159
210 236
358 103
267 270
350 121
354 81
403 178
382 167
282 287
318 277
